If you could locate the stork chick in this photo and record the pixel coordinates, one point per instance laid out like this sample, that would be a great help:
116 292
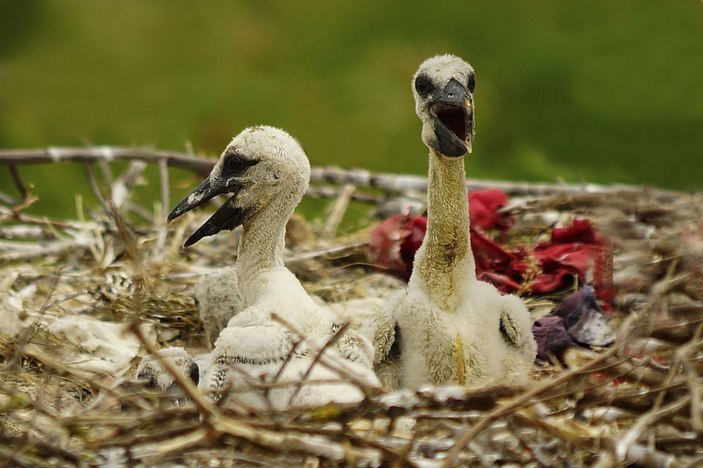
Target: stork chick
447 326
267 173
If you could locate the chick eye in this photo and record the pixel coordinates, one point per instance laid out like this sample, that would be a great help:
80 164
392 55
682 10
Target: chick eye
237 163
471 84
423 86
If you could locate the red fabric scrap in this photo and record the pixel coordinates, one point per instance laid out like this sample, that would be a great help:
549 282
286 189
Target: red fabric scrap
574 251
393 243
484 207
495 264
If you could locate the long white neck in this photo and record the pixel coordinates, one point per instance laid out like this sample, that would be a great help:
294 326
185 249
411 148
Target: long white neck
445 261
262 244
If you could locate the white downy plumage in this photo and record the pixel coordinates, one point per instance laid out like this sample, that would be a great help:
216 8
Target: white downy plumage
447 326
267 173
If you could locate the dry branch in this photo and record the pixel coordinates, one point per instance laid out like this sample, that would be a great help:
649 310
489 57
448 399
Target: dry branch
105 153
390 183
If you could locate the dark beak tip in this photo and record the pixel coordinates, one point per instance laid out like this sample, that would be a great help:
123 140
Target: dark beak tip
179 210
195 237
175 213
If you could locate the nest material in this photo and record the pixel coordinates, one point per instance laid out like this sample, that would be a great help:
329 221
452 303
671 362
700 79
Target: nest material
637 402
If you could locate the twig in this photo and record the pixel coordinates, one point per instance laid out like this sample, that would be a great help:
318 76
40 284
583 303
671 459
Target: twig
17 179
91 154
334 252
120 188
140 211
27 251
363 386
566 430
657 411
36 352
392 183
24 232
314 191
635 432
403 183
17 445
315 360
93 182
106 170
165 203
26 195
506 409
221 424
338 210
6 199
683 355
140 276
286 361
206 408
29 219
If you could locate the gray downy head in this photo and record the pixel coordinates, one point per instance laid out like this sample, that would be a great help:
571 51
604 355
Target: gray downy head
260 165
443 87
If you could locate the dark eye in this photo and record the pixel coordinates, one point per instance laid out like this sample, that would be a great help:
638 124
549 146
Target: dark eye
236 163
423 86
471 85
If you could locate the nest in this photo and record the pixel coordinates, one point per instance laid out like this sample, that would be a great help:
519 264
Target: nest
68 401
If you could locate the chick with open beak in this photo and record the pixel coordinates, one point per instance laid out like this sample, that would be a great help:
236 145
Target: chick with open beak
443 88
258 361
226 177
266 172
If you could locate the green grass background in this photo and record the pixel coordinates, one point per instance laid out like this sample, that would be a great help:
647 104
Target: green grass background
602 91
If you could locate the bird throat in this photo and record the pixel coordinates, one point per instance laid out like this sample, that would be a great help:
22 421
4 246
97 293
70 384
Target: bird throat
444 260
262 242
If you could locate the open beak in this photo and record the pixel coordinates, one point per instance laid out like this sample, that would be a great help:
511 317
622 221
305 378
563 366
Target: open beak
453 116
208 188
228 216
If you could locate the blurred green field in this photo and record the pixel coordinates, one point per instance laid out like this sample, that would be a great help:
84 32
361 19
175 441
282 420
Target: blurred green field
601 91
